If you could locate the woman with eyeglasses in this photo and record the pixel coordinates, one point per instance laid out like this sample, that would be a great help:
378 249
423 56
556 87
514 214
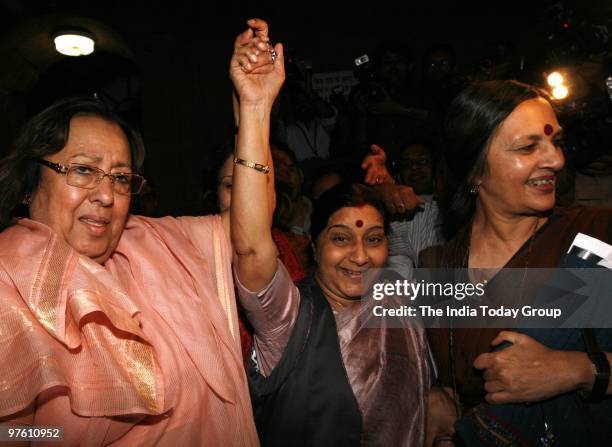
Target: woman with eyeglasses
118 328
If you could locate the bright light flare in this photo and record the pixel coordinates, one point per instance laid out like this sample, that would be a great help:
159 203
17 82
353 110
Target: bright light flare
74 44
555 79
560 92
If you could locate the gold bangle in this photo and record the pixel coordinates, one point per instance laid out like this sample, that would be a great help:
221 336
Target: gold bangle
264 169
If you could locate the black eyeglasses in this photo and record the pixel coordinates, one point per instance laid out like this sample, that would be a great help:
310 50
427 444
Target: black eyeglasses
88 177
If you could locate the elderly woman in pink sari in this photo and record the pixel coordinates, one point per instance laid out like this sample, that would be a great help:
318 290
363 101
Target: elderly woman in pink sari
121 329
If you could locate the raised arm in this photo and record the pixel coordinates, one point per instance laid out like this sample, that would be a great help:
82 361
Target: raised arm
257 72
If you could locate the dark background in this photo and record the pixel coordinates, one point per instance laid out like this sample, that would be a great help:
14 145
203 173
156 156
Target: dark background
164 63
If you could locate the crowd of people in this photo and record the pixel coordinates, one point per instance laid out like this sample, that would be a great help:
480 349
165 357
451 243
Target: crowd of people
244 326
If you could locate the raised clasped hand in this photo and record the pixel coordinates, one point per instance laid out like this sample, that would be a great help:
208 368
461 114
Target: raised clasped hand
257 67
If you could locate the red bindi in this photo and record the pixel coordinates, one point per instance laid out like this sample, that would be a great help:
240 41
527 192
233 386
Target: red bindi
548 129
359 223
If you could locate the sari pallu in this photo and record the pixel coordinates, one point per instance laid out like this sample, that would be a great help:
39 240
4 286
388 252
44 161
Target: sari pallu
568 416
338 381
566 419
150 337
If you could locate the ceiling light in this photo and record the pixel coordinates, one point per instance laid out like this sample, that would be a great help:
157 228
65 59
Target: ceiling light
74 43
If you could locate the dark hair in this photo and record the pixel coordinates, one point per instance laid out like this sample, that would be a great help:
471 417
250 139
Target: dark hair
396 47
472 120
210 176
45 134
429 142
341 196
331 167
441 48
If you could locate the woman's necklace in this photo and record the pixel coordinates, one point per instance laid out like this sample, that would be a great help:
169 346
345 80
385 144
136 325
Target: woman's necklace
337 304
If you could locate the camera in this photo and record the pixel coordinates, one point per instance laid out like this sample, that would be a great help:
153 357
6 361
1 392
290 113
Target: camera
363 59
364 73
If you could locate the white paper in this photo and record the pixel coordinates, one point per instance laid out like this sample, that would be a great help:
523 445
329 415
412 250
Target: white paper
594 246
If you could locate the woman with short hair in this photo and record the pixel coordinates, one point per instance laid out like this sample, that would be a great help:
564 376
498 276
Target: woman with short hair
120 329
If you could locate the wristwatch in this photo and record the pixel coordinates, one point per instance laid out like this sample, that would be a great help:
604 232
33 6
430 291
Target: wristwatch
602 367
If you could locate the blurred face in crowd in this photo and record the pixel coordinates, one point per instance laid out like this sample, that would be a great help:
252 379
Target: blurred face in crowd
439 65
301 104
416 168
287 172
90 220
353 242
522 162
394 69
224 184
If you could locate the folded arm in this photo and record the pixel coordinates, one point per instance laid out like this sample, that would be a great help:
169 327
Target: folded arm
528 371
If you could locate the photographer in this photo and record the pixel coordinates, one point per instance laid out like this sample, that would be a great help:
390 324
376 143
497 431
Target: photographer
383 107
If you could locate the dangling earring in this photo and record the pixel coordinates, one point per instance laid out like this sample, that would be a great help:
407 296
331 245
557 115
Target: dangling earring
27 199
474 190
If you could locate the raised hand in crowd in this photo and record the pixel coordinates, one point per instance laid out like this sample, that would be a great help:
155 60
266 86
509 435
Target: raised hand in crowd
399 199
375 166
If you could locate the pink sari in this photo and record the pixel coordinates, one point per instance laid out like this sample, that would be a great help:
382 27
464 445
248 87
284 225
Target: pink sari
144 350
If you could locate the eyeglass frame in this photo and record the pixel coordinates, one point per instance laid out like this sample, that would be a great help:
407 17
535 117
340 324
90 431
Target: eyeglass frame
62 169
